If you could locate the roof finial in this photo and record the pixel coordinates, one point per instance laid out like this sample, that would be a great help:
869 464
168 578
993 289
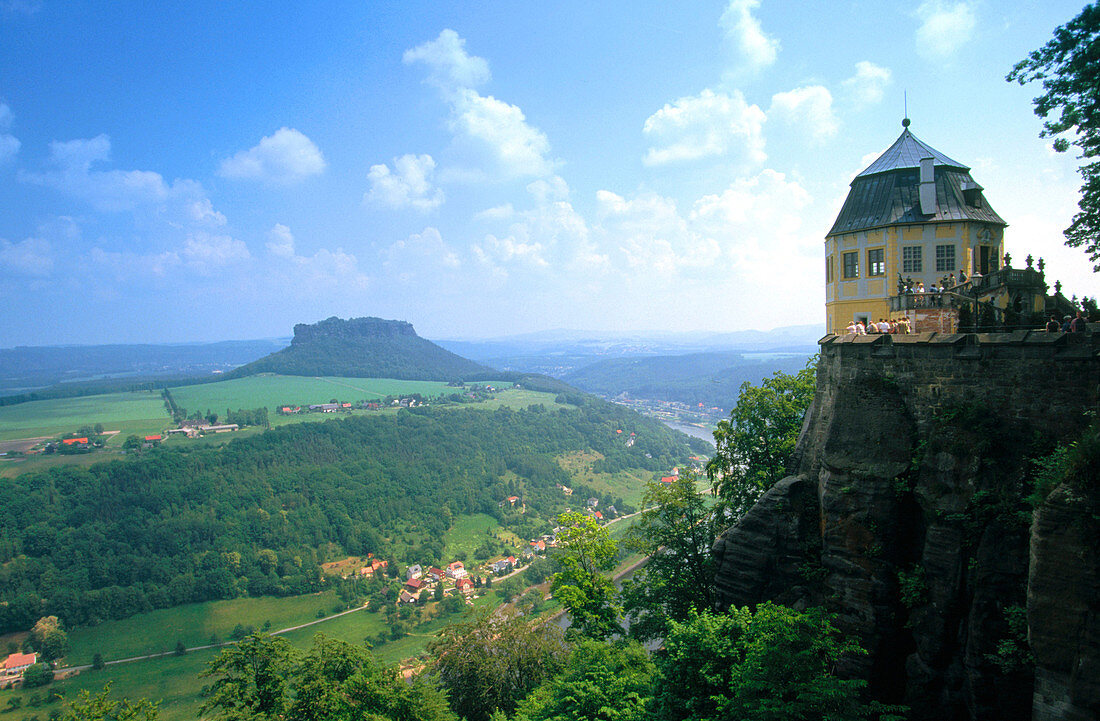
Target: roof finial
905 121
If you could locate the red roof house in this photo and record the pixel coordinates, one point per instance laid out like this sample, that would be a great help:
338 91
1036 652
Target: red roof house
156 437
414 584
71 441
16 663
464 585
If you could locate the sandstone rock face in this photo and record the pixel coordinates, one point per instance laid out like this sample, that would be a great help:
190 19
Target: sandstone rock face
905 517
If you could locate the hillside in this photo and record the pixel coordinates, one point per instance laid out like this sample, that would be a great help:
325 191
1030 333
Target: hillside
362 348
257 516
712 379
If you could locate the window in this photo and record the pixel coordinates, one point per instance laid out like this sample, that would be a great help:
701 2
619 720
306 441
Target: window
851 265
911 259
876 262
829 269
945 258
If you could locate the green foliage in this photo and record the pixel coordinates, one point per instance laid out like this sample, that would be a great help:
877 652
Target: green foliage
1069 71
755 444
100 707
49 639
492 662
585 552
676 532
1013 653
263 678
912 587
602 682
774 664
188 524
37 675
1047 472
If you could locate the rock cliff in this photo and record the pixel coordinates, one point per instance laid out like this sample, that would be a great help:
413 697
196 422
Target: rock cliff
906 514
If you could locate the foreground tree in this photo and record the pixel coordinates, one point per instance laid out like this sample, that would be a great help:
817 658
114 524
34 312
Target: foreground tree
676 531
101 707
774 664
585 552
1069 69
602 682
753 447
489 664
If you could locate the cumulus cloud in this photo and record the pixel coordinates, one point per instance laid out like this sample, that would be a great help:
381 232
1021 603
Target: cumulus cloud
420 255
208 253
867 85
809 109
286 156
31 257
9 144
408 185
181 202
756 49
706 125
945 27
494 135
281 241
449 65
499 132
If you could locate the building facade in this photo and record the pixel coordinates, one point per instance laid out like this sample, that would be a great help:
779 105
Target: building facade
914 216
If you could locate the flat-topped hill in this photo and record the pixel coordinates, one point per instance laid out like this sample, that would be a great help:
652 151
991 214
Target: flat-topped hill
362 348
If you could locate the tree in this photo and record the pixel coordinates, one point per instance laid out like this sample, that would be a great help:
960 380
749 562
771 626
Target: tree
586 550
101 707
602 682
49 639
676 531
772 664
37 675
494 661
1069 68
250 679
753 447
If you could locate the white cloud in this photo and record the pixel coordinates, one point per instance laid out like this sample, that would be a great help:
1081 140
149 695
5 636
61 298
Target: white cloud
708 124
499 133
126 267
281 241
756 49
449 65
866 86
183 202
208 253
9 147
32 257
408 185
420 255
493 136
6 117
945 27
286 156
809 109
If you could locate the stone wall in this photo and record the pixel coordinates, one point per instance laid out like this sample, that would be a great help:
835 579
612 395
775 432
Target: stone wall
905 513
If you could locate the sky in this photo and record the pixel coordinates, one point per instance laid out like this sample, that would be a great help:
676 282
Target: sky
211 170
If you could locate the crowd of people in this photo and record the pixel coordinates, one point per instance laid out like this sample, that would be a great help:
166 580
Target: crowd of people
1078 324
883 325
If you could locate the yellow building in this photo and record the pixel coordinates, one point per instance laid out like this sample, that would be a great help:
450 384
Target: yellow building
913 216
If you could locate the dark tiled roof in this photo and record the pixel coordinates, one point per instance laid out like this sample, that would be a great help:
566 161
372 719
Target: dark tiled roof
906 152
888 192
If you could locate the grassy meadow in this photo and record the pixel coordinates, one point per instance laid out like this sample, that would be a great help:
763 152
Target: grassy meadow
126 412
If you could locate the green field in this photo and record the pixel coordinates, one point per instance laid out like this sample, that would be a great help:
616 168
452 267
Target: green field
268 391
126 412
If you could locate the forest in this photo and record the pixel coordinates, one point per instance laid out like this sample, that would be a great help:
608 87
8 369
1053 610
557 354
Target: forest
257 516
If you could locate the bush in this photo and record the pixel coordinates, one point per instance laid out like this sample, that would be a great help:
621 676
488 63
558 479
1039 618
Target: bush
37 675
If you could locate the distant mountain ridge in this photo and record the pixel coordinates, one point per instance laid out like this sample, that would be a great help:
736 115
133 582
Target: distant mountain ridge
363 348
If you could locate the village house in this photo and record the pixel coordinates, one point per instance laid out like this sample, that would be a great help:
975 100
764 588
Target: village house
15 664
414 585
501 566
436 574
413 571
406 597
464 586
456 570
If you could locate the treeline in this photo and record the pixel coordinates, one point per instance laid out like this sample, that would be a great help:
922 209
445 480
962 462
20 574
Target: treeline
258 515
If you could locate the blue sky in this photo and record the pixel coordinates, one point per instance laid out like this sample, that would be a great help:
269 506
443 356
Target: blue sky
213 170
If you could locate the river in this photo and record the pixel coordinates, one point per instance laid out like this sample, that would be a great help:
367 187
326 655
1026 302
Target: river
705 433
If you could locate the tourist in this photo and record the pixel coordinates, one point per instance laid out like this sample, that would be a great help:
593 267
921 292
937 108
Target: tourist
951 280
883 326
860 330
1079 324
1053 326
1066 320
851 329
